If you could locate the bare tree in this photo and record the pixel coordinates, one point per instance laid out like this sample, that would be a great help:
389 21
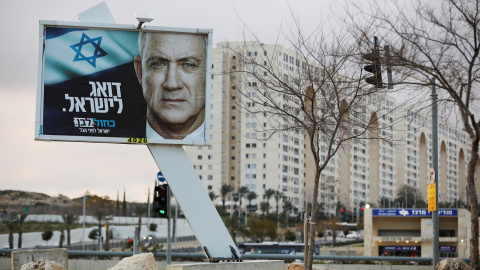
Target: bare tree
439 40
306 87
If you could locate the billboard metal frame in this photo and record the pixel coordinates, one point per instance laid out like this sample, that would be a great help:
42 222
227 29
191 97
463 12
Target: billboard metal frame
121 27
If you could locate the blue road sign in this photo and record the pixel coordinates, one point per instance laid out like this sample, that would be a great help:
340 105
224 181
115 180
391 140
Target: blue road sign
412 213
160 177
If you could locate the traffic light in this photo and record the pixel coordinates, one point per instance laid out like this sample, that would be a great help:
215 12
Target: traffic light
160 197
376 67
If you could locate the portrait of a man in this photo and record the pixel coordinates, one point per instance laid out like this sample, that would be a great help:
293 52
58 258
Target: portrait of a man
171 68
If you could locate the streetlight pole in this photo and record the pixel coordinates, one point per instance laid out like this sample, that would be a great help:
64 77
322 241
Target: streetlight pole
84 199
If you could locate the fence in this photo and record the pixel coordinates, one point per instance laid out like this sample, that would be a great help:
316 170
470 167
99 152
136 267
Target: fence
116 220
121 244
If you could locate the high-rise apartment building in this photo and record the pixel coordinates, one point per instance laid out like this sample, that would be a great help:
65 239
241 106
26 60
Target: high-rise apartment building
238 154
363 171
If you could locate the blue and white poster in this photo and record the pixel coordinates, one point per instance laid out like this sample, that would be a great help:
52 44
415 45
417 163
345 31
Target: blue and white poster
121 84
90 87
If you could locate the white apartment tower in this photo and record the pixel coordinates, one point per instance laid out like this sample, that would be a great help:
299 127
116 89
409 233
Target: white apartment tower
238 154
364 171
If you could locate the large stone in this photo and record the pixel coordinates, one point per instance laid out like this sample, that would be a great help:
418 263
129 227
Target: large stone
21 257
452 264
245 265
300 266
295 266
42 265
144 261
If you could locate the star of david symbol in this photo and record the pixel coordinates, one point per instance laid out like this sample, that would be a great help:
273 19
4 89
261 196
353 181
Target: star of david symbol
86 40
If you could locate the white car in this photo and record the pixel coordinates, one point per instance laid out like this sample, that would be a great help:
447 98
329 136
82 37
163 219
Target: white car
352 235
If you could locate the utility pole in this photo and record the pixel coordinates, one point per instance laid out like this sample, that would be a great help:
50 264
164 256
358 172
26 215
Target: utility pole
435 168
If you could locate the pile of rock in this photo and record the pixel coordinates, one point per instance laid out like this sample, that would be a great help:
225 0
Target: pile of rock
42 265
452 264
144 261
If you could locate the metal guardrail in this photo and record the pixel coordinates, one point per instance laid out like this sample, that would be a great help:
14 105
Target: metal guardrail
4 252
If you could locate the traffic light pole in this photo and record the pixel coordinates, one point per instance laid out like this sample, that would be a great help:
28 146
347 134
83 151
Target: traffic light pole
169 242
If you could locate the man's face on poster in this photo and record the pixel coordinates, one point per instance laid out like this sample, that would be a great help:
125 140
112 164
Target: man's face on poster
171 69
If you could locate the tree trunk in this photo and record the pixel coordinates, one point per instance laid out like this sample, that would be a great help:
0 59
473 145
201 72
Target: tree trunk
107 239
140 224
68 237
99 233
472 196
62 239
10 240
311 247
19 245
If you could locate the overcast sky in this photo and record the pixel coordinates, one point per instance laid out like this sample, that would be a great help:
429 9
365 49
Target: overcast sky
72 168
